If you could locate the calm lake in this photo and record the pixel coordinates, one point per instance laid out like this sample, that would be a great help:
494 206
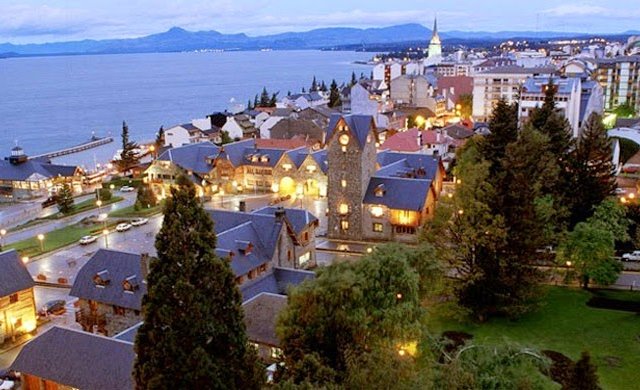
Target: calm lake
49 103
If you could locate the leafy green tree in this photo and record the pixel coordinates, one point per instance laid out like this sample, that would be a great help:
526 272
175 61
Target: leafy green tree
345 312
583 375
226 138
128 156
104 194
593 173
193 334
466 105
334 95
612 216
590 249
314 85
64 199
503 125
145 197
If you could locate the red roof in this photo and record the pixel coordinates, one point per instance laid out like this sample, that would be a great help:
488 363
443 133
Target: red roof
407 141
461 85
272 143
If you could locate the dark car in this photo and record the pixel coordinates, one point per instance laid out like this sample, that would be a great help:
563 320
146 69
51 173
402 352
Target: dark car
49 202
53 307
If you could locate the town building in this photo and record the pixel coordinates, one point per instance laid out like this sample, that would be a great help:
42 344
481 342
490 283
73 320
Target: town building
385 196
261 317
620 80
503 82
301 101
17 302
23 178
109 288
414 91
431 142
369 97
241 126
435 45
63 359
199 130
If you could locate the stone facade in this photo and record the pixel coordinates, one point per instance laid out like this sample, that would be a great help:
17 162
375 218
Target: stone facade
109 320
350 168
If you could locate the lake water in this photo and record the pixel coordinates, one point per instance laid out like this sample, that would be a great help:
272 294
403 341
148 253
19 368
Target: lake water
48 103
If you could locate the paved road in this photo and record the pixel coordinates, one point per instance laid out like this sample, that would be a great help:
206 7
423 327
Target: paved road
45 227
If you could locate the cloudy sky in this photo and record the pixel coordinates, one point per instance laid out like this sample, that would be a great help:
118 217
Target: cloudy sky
25 21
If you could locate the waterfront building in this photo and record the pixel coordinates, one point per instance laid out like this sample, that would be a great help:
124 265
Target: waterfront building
376 196
501 82
199 130
22 177
17 302
109 288
620 80
301 101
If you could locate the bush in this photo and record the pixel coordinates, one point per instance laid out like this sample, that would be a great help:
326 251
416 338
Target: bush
104 194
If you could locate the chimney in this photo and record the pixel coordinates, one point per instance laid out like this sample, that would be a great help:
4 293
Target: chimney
438 135
280 213
419 138
144 266
242 206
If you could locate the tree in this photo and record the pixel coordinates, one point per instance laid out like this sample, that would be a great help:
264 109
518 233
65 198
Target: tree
624 110
583 375
592 168
590 249
334 95
349 309
193 330
264 98
314 85
273 100
128 156
64 199
145 197
354 80
103 194
159 143
323 87
249 106
504 130
466 105
256 101
226 138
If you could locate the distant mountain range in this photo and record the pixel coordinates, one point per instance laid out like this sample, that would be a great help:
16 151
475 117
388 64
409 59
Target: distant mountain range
178 39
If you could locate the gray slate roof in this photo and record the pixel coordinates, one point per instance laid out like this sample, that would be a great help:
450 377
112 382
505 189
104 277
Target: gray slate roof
260 317
400 194
14 276
192 157
78 359
276 282
119 265
298 218
23 171
129 335
359 125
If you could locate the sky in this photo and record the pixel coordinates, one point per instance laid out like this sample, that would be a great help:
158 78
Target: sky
36 21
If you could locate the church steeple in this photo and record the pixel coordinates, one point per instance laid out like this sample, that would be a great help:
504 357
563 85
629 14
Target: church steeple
435 27
435 46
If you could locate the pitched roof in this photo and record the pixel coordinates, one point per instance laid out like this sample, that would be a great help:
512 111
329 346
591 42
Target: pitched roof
298 218
260 317
277 282
359 125
78 359
192 157
129 335
514 69
286 144
461 85
119 266
458 131
14 275
321 159
33 170
627 122
399 194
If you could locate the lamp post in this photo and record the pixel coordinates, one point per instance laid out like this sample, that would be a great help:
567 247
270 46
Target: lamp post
221 192
105 232
41 239
3 232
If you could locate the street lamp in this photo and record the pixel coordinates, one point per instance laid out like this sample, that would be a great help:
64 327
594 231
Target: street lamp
221 192
41 239
25 259
3 232
105 232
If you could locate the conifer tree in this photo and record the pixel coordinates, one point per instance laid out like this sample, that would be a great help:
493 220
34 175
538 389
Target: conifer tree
314 85
128 157
264 98
354 80
503 125
593 177
273 100
334 95
145 197
249 105
323 86
256 101
64 199
159 138
193 334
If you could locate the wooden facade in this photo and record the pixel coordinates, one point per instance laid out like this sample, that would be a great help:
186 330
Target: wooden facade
17 314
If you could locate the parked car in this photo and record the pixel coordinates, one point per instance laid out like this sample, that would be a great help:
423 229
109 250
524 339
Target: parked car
86 240
6 384
633 256
620 191
53 307
50 201
139 221
127 189
123 227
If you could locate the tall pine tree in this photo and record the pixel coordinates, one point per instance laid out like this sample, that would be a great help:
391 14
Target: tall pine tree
504 130
128 156
264 98
334 95
593 177
193 334
314 85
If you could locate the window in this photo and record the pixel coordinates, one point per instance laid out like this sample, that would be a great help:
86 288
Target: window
13 298
286 167
343 208
264 159
117 310
305 236
344 224
377 227
405 230
289 254
18 323
255 345
379 191
377 211
304 259
311 168
276 352
343 183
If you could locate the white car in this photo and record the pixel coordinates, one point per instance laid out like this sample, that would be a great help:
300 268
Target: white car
127 189
633 256
6 384
123 227
139 221
86 240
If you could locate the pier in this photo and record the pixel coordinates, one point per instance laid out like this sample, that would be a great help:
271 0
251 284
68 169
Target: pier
93 143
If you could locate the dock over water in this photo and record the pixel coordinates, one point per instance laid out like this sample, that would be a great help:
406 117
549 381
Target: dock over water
93 143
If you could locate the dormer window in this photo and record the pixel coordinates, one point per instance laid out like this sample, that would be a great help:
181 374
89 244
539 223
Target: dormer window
379 191
244 247
264 159
131 284
254 158
102 279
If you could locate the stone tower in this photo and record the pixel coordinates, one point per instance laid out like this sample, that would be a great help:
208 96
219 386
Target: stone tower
351 158
435 46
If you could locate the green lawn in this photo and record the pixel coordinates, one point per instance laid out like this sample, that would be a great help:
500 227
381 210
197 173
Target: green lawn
56 239
565 324
130 212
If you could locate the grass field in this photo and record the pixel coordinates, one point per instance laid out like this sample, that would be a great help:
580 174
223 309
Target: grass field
130 212
565 324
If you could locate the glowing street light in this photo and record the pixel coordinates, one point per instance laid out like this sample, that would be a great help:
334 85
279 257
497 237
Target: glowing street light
41 239
632 195
3 232
25 259
105 232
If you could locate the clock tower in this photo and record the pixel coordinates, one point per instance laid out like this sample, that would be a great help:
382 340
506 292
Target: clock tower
351 157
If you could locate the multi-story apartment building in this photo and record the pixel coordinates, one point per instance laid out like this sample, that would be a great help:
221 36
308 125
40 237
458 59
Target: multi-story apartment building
620 80
504 82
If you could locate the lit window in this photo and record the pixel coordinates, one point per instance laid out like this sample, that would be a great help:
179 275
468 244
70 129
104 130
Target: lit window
254 158
304 259
13 298
343 208
344 224
311 168
377 227
343 183
276 352
264 159
286 167
377 211
344 149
